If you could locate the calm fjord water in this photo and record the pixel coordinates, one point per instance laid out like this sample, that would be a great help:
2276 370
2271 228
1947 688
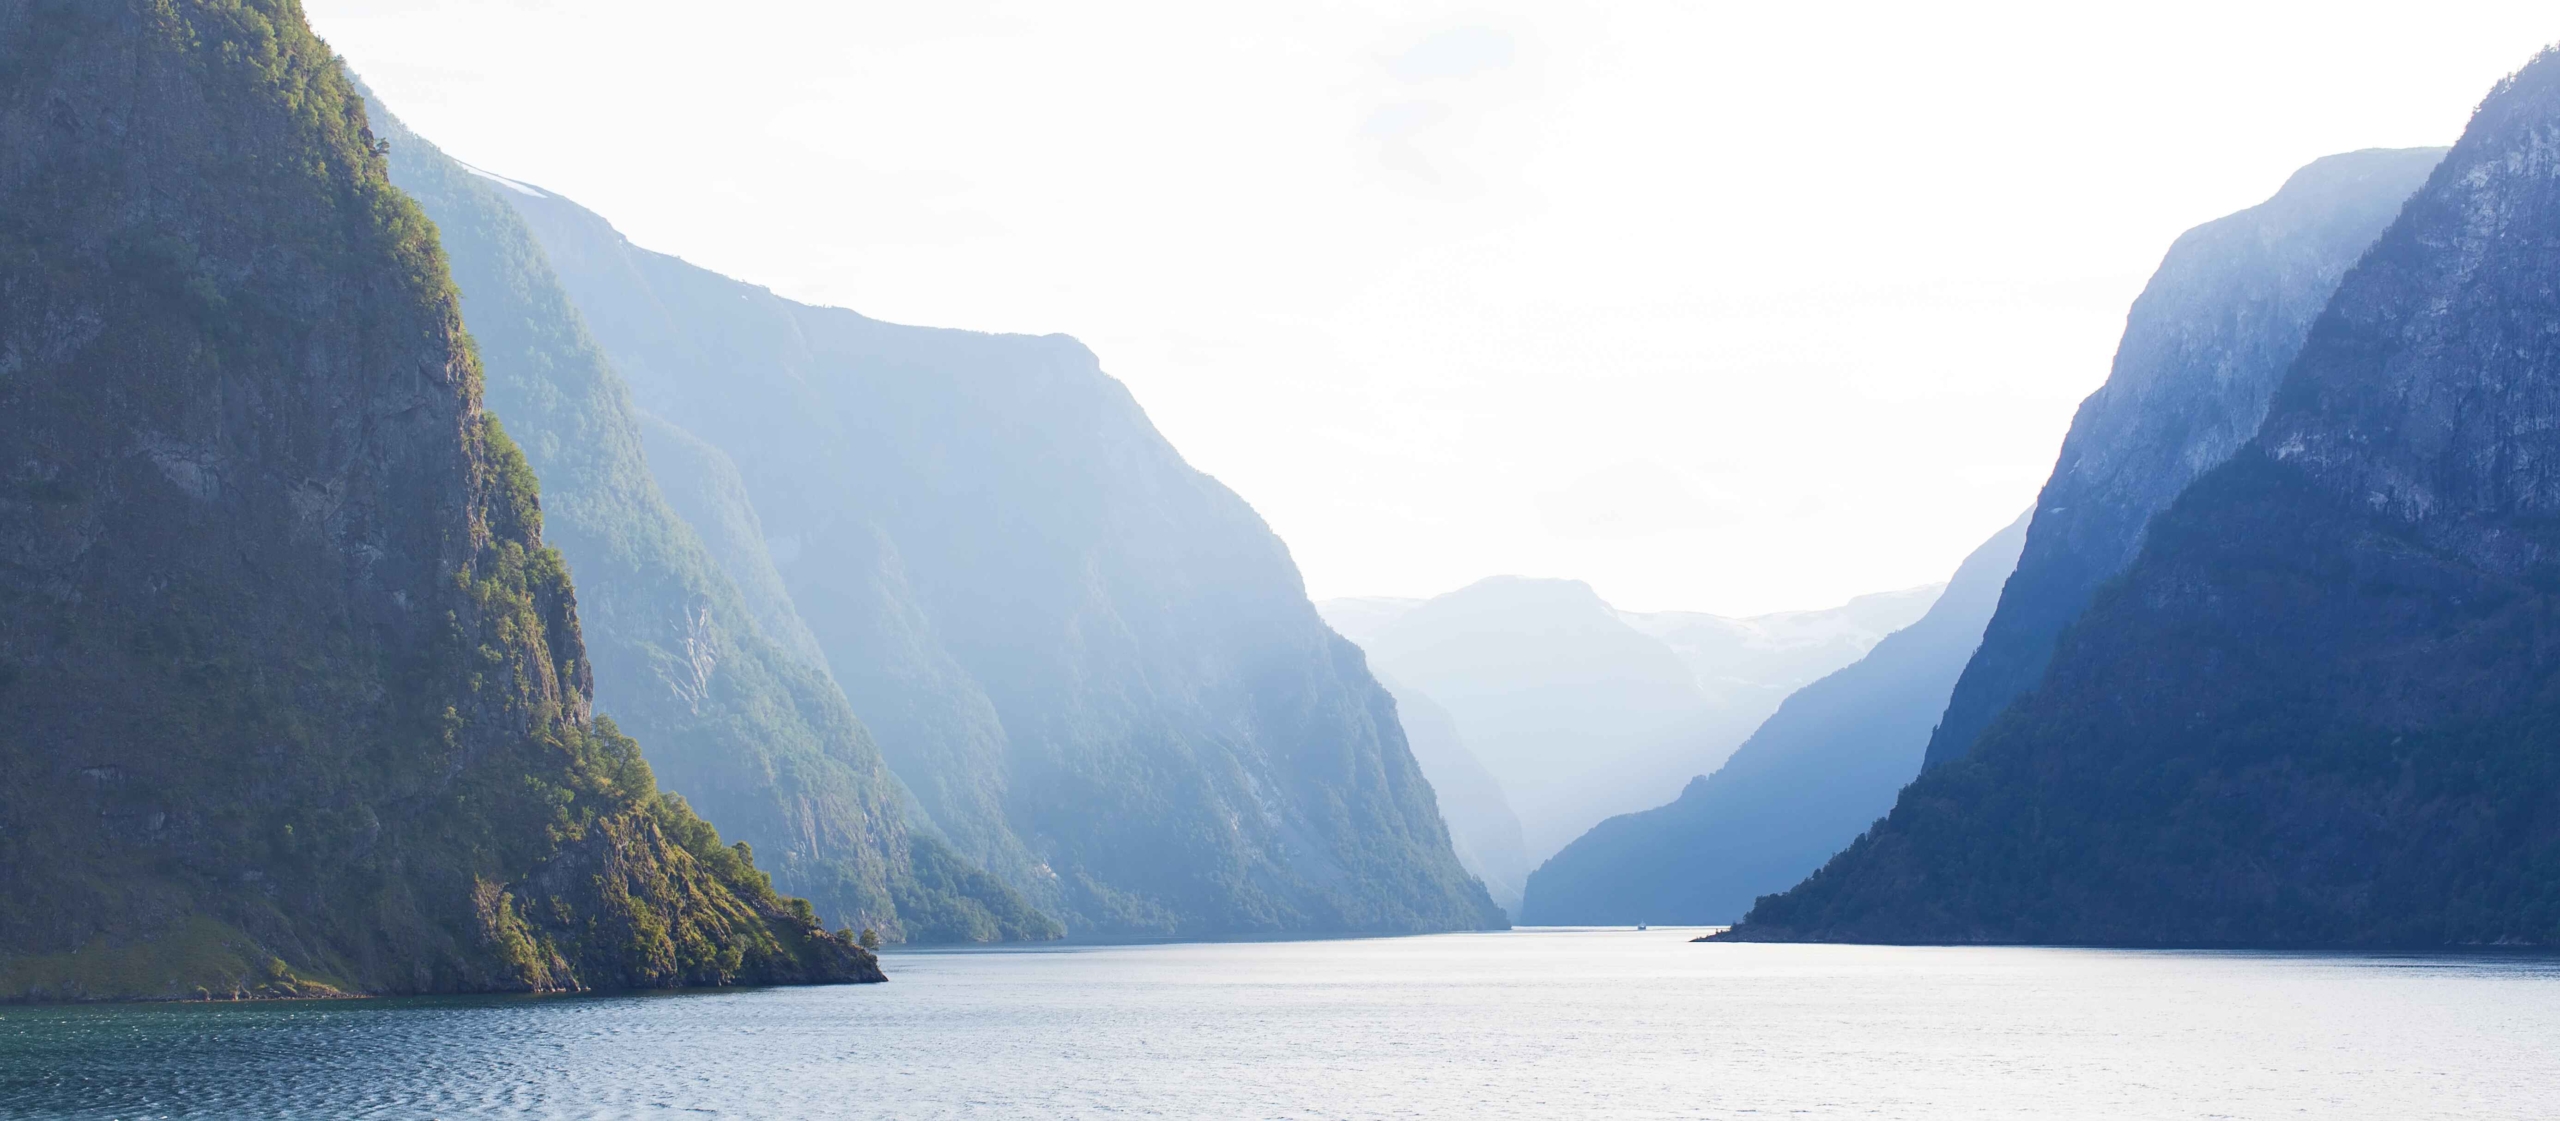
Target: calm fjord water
1545 1024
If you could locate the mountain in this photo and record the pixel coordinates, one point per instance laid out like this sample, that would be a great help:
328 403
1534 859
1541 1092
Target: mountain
1572 710
1582 711
747 725
1816 774
1482 827
1361 618
2317 709
1095 668
1769 656
292 694
2202 351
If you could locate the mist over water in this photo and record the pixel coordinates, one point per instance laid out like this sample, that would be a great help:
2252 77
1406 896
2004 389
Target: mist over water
1539 1023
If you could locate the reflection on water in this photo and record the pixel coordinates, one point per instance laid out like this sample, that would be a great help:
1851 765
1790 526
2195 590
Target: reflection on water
1545 1024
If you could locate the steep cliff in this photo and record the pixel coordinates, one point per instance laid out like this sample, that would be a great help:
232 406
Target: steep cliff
755 734
292 694
2203 349
2318 707
1096 668
1482 827
1815 774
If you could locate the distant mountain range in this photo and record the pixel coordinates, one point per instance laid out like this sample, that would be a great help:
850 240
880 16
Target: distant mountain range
1744 660
1809 779
2315 708
1579 710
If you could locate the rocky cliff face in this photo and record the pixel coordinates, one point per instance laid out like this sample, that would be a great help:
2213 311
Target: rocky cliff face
2203 349
752 731
292 694
1815 774
2317 709
1095 667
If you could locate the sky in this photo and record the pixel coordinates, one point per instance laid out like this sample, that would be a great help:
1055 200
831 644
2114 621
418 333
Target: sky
1733 307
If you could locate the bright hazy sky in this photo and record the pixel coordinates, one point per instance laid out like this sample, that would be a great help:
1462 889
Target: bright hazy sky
1719 306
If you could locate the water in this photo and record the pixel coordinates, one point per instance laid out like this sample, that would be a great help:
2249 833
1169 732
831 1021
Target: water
1539 1024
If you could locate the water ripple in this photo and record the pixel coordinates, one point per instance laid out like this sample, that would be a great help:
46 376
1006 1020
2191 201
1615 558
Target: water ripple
1538 1024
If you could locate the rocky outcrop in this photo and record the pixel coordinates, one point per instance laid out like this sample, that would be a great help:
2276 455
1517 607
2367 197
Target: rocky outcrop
2316 710
1815 775
2203 349
292 693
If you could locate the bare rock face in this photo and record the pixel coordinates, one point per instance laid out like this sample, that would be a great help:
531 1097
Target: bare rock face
292 695
2318 708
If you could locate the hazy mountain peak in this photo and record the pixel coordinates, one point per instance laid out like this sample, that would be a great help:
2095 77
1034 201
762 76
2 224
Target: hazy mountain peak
1782 649
1581 710
1363 618
1814 774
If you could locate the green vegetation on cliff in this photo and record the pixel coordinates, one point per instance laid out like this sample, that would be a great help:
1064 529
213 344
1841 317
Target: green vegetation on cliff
759 739
292 693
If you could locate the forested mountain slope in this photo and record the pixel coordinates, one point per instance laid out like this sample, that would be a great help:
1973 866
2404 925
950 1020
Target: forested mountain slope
292 694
